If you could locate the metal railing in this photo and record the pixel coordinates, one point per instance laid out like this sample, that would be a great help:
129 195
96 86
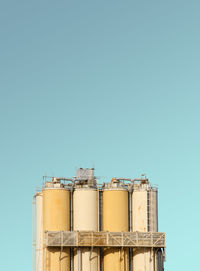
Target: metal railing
104 239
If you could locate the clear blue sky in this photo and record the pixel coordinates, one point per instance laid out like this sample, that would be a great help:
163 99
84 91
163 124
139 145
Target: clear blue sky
110 83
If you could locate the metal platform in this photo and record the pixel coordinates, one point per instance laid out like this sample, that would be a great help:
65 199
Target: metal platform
104 239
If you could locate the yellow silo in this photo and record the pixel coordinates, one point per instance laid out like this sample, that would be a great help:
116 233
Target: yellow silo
115 219
56 217
144 219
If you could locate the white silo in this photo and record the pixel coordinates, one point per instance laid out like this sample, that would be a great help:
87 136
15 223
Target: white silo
85 218
144 219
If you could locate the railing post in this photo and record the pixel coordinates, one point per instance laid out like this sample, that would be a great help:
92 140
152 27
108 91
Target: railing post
61 238
137 238
77 239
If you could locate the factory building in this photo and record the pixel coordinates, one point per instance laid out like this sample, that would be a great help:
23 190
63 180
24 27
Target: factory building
81 225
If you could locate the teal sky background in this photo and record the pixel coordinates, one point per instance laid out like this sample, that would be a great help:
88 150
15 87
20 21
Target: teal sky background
115 84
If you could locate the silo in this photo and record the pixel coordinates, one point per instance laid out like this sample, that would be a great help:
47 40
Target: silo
39 242
56 217
85 218
144 219
115 219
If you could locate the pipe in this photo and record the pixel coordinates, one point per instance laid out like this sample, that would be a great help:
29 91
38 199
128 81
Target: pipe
130 259
130 228
71 209
157 210
148 211
71 229
98 224
98 210
130 209
154 259
101 259
101 226
79 259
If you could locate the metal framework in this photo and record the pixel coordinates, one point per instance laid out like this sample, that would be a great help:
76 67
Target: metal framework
104 239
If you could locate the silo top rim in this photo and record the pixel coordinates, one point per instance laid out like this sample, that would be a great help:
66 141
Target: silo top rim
85 188
138 189
115 184
115 189
56 188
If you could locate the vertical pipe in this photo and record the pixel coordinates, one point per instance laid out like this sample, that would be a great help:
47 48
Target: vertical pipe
148 211
130 228
154 260
71 229
71 209
160 260
98 210
98 223
152 195
101 225
130 210
156 209
101 259
79 259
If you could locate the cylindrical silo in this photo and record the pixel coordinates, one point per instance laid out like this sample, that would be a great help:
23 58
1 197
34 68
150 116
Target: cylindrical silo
115 219
39 242
56 217
85 218
144 219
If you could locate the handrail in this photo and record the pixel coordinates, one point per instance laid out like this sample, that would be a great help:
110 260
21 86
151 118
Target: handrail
104 239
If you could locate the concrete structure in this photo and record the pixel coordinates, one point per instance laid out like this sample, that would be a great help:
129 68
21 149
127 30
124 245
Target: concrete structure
85 218
144 219
82 226
115 219
56 217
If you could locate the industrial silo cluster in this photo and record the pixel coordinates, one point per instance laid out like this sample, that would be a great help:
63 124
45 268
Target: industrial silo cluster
84 226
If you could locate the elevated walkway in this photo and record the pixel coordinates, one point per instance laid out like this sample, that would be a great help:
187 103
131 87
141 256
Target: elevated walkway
104 239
